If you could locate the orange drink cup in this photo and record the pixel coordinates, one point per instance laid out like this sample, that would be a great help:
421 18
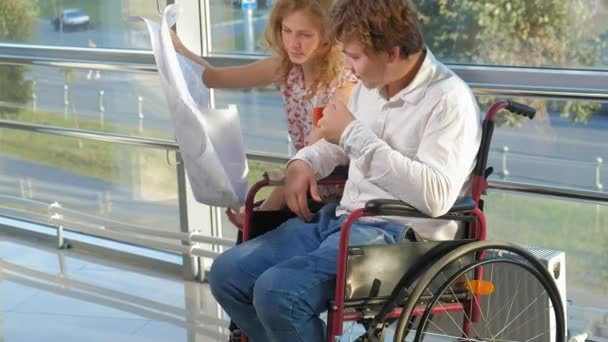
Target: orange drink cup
317 114
318 105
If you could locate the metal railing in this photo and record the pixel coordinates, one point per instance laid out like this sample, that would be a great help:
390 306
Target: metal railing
75 57
506 155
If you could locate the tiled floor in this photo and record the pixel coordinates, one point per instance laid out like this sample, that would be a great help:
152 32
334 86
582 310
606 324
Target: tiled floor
48 294
72 295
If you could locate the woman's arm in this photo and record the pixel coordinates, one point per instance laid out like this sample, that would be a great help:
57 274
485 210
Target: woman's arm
256 74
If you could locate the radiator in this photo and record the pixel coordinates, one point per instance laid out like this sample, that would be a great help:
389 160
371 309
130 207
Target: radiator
509 280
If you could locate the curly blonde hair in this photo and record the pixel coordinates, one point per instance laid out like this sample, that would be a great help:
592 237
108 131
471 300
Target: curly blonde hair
329 57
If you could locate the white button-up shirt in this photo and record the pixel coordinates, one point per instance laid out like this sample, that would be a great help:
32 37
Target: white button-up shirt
418 147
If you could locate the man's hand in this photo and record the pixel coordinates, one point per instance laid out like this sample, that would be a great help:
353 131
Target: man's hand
299 180
335 119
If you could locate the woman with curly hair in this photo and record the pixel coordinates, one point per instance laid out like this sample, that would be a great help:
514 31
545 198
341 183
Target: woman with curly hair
306 63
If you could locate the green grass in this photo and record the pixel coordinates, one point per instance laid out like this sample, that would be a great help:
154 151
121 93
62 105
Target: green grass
80 156
105 161
579 229
24 208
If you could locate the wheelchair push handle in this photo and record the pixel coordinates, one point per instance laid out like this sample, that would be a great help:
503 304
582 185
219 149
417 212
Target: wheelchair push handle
488 130
511 106
521 109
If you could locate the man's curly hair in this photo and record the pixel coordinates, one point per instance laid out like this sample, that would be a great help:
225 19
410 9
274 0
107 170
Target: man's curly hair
378 24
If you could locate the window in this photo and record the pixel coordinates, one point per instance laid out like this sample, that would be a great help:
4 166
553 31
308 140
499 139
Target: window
535 33
78 23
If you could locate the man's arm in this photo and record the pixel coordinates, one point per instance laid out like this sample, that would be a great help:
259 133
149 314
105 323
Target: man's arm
310 163
432 180
322 157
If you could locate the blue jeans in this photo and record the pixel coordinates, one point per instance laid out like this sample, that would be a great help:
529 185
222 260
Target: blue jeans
275 286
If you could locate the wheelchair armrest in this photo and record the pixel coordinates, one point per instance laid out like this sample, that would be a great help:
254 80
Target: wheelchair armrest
275 177
394 207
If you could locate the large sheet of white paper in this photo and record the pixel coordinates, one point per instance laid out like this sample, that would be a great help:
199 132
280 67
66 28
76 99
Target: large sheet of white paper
210 140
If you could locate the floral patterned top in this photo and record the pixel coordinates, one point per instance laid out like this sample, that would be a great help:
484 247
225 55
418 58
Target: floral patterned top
299 109
299 115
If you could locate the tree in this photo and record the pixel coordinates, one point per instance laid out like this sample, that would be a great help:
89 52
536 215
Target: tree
16 22
532 33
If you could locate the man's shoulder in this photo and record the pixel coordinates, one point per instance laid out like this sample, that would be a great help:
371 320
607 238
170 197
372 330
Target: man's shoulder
447 82
453 91
451 87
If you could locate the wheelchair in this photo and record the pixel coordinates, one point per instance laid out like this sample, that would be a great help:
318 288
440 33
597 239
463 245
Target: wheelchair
469 289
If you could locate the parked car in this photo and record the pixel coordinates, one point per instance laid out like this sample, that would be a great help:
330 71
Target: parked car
72 18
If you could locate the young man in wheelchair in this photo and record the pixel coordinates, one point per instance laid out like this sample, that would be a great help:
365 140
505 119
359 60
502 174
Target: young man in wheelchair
410 132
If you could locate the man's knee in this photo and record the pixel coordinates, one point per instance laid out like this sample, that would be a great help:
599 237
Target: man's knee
279 298
224 271
272 298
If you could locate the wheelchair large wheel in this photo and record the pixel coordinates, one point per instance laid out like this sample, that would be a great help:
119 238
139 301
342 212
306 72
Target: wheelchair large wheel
484 291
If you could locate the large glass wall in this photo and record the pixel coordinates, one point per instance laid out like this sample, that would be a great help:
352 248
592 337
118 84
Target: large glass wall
564 146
